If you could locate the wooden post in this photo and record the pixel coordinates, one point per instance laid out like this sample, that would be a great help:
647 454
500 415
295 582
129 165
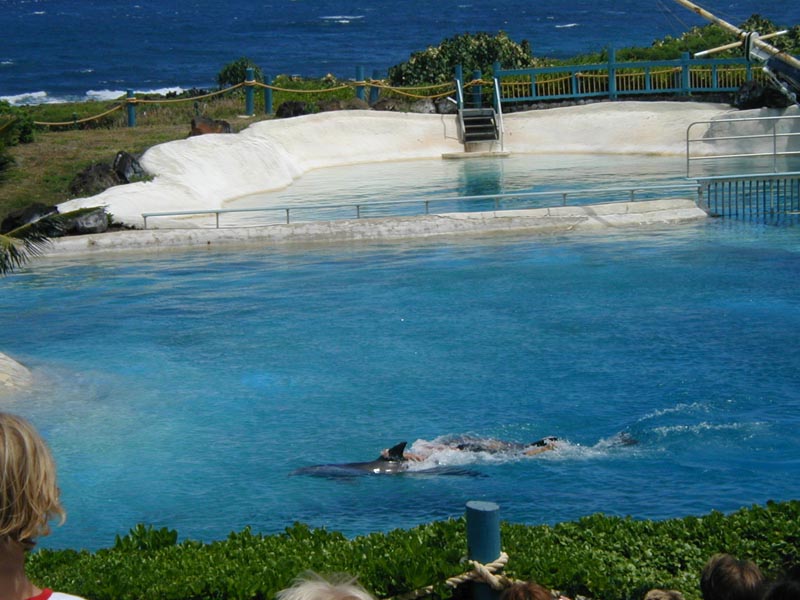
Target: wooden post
374 91
249 106
483 540
130 106
360 88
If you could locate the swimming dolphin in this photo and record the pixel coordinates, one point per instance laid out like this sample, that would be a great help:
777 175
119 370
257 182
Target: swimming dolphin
391 462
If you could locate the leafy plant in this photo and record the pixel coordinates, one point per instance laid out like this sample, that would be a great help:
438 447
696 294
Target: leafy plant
613 558
477 51
236 72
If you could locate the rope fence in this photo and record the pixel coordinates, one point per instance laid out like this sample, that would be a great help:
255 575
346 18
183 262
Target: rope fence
610 79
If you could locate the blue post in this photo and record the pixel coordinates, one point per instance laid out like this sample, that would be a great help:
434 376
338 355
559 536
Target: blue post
360 88
483 540
477 90
459 74
374 91
612 74
130 105
685 82
249 91
268 95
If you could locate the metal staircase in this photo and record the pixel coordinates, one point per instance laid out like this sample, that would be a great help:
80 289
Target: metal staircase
478 125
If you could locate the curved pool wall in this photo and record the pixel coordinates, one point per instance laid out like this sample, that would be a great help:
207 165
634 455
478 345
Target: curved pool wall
211 170
182 389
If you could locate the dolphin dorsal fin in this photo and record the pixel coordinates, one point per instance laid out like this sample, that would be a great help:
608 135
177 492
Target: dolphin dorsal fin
396 452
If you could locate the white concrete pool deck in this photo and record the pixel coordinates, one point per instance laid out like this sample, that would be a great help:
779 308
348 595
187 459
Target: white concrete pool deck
534 221
207 172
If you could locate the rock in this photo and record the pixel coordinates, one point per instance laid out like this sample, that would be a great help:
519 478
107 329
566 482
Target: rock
753 94
389 104
13 375
350 104
26 215
445 106
127 167
425 106
203 125
292 108
93 180
87 221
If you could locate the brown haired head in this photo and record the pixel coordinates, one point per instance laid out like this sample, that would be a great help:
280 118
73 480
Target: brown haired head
527 590
725 577
29 495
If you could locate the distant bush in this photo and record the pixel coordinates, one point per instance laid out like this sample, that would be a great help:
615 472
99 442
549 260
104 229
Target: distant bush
612 558
236 72
471 51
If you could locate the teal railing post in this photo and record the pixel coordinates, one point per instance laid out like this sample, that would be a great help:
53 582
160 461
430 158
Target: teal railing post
130 106
685 66
360 81
374 91
612 74
459 75
268 95
496 77
477 90
483 540
249 106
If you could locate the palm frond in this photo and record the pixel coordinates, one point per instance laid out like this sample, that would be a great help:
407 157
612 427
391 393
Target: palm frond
19 245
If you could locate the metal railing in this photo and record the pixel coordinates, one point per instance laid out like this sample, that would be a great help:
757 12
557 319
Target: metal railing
766 198
417 206
613 79
735 143
498 109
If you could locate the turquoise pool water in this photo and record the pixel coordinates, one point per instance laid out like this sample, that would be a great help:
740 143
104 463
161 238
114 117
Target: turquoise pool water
182 389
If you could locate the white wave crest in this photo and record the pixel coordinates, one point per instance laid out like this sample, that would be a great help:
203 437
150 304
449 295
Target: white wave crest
567 26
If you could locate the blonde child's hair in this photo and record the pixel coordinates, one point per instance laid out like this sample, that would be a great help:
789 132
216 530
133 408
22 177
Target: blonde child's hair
29 494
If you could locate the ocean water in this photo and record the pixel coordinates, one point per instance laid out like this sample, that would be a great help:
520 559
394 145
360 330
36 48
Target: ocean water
55 50
184 389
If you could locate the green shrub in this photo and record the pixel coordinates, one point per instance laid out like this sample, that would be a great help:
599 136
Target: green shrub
236 72
471 51
612 558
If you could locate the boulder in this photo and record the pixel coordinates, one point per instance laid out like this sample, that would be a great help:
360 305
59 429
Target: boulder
424 106
337 104
26 215
753 94
203 125
13 375
93 180
127 167
87 221
292 108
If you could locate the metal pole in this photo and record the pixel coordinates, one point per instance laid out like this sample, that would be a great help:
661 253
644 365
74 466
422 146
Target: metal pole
131 107
249 89
268 95
483 540
374 91
360 83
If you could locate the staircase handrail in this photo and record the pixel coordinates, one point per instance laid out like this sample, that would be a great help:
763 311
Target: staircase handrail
498 108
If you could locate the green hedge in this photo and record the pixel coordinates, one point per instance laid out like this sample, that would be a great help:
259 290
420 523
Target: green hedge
598 556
